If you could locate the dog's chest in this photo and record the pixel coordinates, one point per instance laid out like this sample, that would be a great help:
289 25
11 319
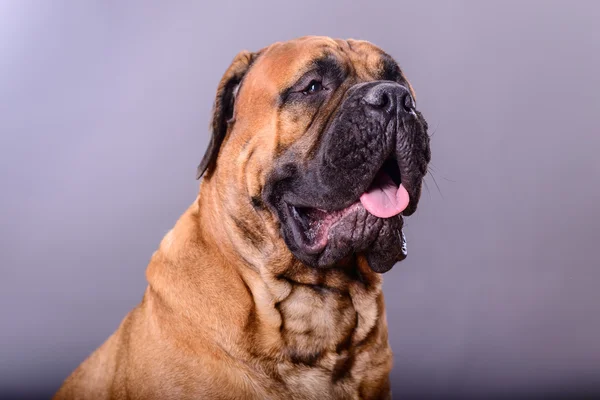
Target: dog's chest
316 320
320 330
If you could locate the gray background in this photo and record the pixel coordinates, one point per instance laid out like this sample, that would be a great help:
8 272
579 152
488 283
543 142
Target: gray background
104 109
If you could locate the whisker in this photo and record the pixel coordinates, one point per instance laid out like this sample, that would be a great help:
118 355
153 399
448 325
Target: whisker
434 130
436 184
431 169
427 187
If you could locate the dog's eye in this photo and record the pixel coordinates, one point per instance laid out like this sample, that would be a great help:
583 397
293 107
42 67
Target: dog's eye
313 87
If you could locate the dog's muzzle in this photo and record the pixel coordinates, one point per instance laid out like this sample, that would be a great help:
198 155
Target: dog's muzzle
366 173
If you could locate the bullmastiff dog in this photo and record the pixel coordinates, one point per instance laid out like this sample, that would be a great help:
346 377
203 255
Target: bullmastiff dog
269 285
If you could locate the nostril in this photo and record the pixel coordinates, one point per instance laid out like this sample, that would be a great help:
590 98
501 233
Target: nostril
408 103
378 99
381 101
384 101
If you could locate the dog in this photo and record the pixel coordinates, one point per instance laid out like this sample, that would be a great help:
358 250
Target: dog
269 285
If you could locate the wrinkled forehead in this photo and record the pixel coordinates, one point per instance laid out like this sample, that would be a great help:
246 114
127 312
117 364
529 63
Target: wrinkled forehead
283 63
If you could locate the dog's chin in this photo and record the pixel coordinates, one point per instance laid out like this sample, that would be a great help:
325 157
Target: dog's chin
323 239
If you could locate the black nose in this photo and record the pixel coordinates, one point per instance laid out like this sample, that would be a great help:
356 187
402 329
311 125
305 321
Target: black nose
390 97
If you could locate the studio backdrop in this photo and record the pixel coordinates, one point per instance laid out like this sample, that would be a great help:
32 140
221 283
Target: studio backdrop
104 113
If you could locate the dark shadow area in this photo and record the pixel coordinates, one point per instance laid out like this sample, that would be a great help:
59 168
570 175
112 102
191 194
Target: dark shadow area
416 390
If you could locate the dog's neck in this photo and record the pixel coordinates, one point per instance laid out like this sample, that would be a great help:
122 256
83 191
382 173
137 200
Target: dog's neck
286 311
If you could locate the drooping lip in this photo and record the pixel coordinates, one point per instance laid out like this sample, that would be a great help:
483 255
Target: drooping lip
315 238
311 226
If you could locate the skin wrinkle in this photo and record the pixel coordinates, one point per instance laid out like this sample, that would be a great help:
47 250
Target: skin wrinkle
255 200
319 286
354 226
251 319
328 117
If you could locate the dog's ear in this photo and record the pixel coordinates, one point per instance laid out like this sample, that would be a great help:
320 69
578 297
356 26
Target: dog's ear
223 108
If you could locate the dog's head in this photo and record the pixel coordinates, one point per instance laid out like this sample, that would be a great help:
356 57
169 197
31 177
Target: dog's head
318 142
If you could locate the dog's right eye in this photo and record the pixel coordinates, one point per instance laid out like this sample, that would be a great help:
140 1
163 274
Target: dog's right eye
313 87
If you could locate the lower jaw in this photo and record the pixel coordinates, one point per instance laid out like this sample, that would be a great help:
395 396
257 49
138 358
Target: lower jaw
318 241
380 256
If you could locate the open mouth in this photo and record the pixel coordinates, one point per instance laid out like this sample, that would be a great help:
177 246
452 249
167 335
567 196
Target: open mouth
390 167
385 197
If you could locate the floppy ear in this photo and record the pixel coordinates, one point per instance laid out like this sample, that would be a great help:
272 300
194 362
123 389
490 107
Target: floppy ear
223 108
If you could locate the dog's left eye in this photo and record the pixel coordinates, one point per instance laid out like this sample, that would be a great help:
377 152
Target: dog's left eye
313 87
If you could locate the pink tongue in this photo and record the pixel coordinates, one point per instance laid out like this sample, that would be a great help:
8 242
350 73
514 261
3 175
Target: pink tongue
384 198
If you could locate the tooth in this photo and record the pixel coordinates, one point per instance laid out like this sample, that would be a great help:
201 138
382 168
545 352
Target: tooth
404 249
295 212
300 218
